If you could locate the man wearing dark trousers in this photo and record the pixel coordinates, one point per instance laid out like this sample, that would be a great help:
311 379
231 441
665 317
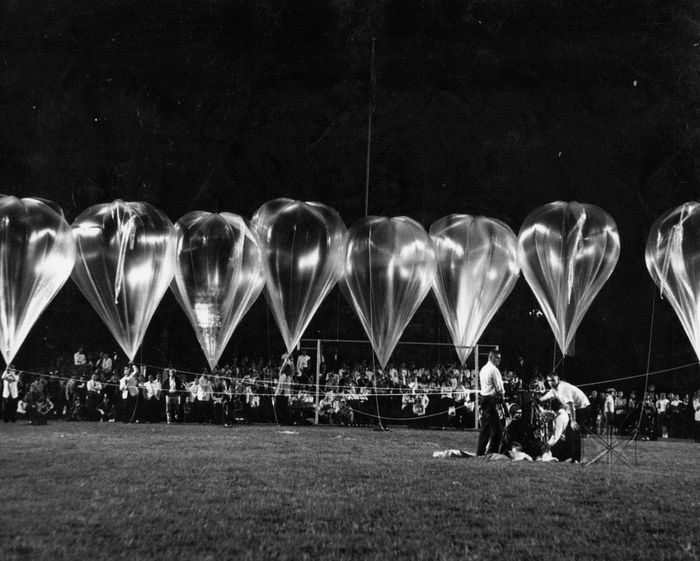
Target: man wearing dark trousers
490 396
576 404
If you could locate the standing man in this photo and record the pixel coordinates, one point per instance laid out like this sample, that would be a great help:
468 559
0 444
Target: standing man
577 405
490 396
10 394
93 397
172 387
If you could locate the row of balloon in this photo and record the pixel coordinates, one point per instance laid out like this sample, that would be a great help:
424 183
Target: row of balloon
123 256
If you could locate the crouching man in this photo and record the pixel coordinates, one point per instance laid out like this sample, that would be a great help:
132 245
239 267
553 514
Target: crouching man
561 443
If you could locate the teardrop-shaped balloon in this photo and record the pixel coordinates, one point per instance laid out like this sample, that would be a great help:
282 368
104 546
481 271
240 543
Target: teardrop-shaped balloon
218 276
37 253
567 251
673 259
126 256
477 268
303 247
389 269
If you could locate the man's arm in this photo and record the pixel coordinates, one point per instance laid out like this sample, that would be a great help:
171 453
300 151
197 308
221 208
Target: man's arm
572 413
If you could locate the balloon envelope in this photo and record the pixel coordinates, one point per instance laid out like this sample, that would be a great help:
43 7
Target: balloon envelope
218 275
673 259
303 247
389 269
124 266
567 251
37 253
477 268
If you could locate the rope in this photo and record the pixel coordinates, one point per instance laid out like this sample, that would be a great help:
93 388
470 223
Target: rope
640 375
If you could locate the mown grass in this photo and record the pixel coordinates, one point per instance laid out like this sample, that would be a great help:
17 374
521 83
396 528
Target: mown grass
96 491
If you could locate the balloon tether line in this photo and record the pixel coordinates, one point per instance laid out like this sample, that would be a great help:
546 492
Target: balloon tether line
646 375
372 85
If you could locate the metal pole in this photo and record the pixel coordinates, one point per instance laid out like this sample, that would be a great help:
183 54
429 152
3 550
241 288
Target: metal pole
476 396
318 377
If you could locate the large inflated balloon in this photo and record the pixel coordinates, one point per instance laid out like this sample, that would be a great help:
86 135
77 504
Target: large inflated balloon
673 260
477 268
37 253
126 256
389 269
567 251
218 275
303 247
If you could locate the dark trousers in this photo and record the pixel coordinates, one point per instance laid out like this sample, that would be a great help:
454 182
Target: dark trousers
491 428
9 409
582 418
129 412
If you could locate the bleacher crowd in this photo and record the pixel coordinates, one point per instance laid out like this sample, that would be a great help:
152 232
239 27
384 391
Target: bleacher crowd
105 389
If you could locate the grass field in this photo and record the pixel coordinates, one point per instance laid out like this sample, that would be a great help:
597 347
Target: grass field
112 491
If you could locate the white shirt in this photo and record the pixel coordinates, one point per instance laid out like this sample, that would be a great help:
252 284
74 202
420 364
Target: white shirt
303 361
490 380
94 386
609 406
203 389
78 359
661 405
150 390
9 384
568 393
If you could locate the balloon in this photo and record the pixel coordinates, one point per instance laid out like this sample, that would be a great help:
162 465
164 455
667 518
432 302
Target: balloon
37 253
389 269
218 275
477 268
126 255
567 251
673 259
303 247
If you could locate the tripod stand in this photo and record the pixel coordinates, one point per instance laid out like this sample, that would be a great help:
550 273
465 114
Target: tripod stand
612 448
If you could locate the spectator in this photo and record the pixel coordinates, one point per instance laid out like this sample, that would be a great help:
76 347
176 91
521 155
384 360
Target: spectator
10 394
93 397
172 388
661 410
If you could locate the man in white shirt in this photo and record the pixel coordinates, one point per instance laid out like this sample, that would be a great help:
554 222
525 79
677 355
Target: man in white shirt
561 442
151 394
572 398
577 406
129 386
94 397
10 394
490 396
79 358
609 410
303 362
204 391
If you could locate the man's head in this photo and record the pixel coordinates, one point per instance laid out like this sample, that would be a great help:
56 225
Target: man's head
553 380
495 357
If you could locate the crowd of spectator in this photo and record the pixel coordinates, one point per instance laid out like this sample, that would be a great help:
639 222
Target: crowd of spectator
103 388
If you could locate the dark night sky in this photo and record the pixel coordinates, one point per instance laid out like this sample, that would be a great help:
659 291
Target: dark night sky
485 107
